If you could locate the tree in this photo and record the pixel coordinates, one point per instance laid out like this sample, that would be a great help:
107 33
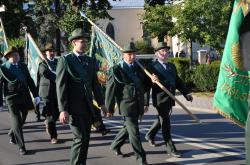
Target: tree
154 2
53 16
157 21
14 17
93 9
202 21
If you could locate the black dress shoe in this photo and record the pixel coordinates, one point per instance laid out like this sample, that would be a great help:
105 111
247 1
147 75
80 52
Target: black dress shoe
105 131
22 151
151 142
118 152
175 154
12 141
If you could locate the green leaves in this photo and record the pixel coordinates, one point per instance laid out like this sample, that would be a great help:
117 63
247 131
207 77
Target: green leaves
202 21
158 21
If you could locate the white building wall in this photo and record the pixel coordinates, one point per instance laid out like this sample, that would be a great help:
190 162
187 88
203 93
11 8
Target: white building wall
126 23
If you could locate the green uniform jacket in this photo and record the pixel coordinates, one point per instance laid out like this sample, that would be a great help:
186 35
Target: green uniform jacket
14 90
47 81
76 83
130 93
169 79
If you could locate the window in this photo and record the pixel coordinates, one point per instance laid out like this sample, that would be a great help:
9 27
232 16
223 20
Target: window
110 31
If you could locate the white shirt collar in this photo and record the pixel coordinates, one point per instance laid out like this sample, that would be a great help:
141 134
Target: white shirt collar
52 60
129 65
77 54
162 63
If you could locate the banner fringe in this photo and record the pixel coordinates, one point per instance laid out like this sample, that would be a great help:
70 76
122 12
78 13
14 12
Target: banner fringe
228 117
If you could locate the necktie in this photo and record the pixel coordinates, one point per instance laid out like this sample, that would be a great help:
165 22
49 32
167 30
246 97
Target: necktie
132 67
166 66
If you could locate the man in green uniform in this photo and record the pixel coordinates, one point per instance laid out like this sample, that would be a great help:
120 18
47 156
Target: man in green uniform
167 75
17 83
76 83
47 91
127 87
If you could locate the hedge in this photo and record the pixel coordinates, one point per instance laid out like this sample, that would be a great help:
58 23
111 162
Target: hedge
201 78
205 77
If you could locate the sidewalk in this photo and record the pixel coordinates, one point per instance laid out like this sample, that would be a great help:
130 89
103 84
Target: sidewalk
198 104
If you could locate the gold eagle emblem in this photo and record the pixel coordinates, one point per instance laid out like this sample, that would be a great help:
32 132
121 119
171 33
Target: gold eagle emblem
244 4
236 56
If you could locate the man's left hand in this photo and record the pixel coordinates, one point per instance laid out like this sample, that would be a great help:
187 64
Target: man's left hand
154 78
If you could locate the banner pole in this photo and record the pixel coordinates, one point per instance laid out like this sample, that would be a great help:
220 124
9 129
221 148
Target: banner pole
147 72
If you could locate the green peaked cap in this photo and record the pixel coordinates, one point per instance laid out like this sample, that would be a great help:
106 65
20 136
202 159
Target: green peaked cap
161 45
78 33
48 46
129 48
10 50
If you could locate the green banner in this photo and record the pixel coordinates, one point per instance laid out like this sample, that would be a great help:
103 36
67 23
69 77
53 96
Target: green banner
232 92
105 52
3 40
34 57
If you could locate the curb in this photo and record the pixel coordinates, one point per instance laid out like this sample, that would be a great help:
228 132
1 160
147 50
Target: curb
197 109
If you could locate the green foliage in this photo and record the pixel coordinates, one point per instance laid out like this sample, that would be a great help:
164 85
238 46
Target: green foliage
47 19
157 21
94 10
216 63
66 17
17 42
201 78
205 77
46 26
144 48
13 17
70 21
202 21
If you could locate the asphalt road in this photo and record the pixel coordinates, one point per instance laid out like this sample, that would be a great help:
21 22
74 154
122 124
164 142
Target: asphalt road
216 141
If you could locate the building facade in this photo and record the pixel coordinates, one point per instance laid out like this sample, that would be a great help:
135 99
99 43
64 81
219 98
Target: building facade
127 26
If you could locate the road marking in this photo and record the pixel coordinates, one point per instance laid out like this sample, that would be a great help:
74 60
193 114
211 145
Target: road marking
194 157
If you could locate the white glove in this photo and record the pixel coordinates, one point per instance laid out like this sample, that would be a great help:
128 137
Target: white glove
37 100
1 108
